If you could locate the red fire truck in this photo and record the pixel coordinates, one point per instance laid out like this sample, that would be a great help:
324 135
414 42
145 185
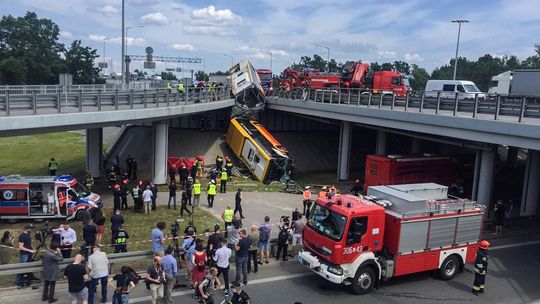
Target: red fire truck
399 169
394 231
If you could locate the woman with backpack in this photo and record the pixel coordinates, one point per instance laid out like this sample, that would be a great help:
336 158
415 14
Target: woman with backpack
283 241
199 264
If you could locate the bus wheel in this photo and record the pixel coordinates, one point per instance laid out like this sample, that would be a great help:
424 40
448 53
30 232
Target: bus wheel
364 280
449 268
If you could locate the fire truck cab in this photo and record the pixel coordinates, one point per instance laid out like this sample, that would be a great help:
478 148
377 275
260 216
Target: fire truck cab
395 230
44 197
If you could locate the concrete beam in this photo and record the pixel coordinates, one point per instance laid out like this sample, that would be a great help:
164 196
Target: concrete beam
531 191
380 148
94 151
344 150
160 140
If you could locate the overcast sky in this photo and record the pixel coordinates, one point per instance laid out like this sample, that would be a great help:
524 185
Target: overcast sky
416 31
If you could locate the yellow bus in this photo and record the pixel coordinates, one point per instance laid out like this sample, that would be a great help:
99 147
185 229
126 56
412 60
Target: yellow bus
263 155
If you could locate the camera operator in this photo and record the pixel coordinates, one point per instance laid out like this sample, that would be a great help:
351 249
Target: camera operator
51 271
25 252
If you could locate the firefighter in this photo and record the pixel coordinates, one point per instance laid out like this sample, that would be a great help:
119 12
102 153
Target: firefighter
211 193
116 195
223 181
124 192
111 178
357 188
89 181
229 167
480 268
307 201
219 162
200 164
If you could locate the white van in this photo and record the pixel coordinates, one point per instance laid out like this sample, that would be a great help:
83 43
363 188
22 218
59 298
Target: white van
449 88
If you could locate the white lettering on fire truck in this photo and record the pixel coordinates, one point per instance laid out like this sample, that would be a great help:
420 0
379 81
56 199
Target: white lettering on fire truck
350 250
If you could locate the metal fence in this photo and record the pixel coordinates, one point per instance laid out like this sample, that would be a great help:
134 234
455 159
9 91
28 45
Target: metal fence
36 103
496 106
85 88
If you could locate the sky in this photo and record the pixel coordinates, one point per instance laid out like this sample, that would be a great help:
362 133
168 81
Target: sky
416 31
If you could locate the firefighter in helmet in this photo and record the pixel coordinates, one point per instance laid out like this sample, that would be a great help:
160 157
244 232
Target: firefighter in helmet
480 268
89 181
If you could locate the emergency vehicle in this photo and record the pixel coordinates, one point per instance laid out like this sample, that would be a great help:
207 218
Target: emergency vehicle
44 197
396 230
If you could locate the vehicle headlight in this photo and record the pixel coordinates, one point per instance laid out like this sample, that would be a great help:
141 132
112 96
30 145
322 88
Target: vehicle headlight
337 270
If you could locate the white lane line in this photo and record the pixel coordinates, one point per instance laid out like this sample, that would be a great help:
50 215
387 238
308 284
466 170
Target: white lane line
513 245
253 282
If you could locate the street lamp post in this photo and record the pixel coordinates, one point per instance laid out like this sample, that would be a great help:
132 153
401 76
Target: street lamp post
104 60
269 53
124 78
327 52
232 59
127 29
459 22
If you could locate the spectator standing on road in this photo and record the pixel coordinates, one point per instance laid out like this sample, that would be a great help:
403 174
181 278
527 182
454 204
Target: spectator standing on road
89 236
210 281
264 239
298 228
214 243
69 237
154 190
76 276
155 276
223 181
500 213
198 259
189 241
52 166
116 197
283 241
124 192
242 251
196 193
240 296
295 215
124 285
211 190
238 203
51 270
233 234
5 248
98 264
221 259
172 194
158 239
170 267
120 240
100 223
147 199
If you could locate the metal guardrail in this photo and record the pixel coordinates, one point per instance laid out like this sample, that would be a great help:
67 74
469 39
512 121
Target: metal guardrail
79 101
500 105
12 269
86 88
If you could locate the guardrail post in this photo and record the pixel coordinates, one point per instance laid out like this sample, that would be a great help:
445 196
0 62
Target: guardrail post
157 98
331 100
144 98
322 97
407 99
80 99
34 102
381 100
167 98
131 99
186 95
438 103
339 97
359 98
116 99
315 98
58 106
349 97
497 106
176 97
393 101
7 103
370 97
99 100
522 110
475 110
456 102
422 96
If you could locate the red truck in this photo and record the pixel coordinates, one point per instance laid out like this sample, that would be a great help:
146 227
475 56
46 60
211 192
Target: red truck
352 75
408 169
396 230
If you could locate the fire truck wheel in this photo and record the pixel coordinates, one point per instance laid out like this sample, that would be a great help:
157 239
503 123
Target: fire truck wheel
364 280
449 268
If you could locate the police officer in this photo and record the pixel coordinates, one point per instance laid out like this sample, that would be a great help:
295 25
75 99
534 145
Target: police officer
196 193
120 240
89 181
136 193
211 193
183 172
480 268
116 195
111 178
189 189
223 183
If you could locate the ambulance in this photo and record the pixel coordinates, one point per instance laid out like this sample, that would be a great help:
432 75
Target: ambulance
44 197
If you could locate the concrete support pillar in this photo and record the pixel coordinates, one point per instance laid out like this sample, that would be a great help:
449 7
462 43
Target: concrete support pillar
380 149
94 151
344 150
477 161
416 145
160 152
485 177
531 191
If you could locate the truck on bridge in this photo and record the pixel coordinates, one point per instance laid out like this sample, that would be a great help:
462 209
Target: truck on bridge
517 82
396 230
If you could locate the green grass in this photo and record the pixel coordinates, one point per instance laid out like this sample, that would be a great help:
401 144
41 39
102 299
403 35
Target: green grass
29 155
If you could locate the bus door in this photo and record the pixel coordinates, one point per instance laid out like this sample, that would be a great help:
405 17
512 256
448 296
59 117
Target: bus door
61 195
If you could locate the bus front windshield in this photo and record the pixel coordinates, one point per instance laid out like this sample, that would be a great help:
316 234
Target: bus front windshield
327 222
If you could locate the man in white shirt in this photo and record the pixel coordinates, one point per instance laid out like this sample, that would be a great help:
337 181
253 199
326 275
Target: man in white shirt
221 258
69 237
98 265
147 200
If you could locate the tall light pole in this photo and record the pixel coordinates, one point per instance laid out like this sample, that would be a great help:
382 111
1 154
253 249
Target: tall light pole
459 22
269 53
328 53
127 29
124 78
232 59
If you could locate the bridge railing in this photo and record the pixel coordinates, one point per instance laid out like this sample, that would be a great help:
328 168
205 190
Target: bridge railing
496 106
36 103
86 88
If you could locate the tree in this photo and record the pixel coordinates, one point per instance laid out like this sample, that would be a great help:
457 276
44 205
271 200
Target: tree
33 45
419 77
168 76
218 73
80 63
201 76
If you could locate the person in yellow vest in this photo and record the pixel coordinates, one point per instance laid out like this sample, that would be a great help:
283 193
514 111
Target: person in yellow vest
89 181
181 88
213 87
53 166
211 193
223 181
196 193
168 86
227 216
307 200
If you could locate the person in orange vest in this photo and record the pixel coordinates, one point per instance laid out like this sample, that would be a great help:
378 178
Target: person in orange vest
307 200
323 192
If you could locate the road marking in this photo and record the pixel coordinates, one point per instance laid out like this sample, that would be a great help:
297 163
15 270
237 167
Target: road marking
253 282
513 245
